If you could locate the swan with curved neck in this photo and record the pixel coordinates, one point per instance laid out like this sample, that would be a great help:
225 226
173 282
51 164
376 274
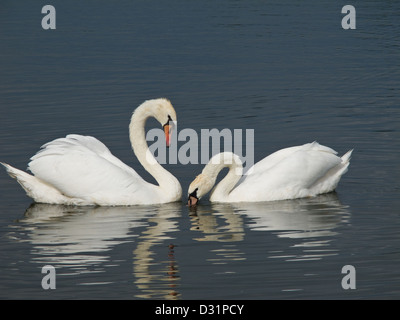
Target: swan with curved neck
81 170
290 173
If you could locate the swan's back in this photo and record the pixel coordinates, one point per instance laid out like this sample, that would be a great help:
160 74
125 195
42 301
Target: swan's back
101 176
291 173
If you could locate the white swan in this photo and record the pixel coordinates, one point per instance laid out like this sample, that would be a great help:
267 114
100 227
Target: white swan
290 173
80 170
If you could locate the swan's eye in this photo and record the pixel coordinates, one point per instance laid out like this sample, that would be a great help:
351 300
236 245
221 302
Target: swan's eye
168 121
194 193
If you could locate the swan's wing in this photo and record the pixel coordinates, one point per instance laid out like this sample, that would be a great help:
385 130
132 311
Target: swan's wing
278 156
83 167
289 171
78 142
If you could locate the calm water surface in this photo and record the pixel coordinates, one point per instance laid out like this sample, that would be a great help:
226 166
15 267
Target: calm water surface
285 69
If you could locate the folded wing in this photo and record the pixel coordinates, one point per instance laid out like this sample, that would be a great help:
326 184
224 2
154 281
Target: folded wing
83 167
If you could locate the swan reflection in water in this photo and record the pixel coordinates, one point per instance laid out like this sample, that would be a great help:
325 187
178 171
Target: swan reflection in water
79 240
312 221
221 225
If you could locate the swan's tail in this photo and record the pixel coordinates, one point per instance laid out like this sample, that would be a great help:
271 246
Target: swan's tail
347 156
26 180
23 178
345 163
342 168
34 187
330 180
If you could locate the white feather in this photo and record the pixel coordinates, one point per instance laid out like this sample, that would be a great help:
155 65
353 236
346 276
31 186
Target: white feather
81 170
290 173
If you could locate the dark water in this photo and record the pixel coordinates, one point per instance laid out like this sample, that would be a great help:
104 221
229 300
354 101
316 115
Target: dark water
285 69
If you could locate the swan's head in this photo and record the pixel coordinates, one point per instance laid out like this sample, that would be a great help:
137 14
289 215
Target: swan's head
199 187
206 180
163 111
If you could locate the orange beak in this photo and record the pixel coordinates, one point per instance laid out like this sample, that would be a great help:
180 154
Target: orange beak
167 129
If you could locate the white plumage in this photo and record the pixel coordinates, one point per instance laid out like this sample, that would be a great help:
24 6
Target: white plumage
81 170
290 173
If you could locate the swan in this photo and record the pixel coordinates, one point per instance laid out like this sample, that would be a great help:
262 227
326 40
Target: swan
290 173
80 170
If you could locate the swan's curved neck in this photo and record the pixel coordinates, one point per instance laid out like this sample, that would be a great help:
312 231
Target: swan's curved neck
225 186
168 184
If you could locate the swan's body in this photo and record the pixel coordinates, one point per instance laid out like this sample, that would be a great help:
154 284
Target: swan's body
290 173
80 170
